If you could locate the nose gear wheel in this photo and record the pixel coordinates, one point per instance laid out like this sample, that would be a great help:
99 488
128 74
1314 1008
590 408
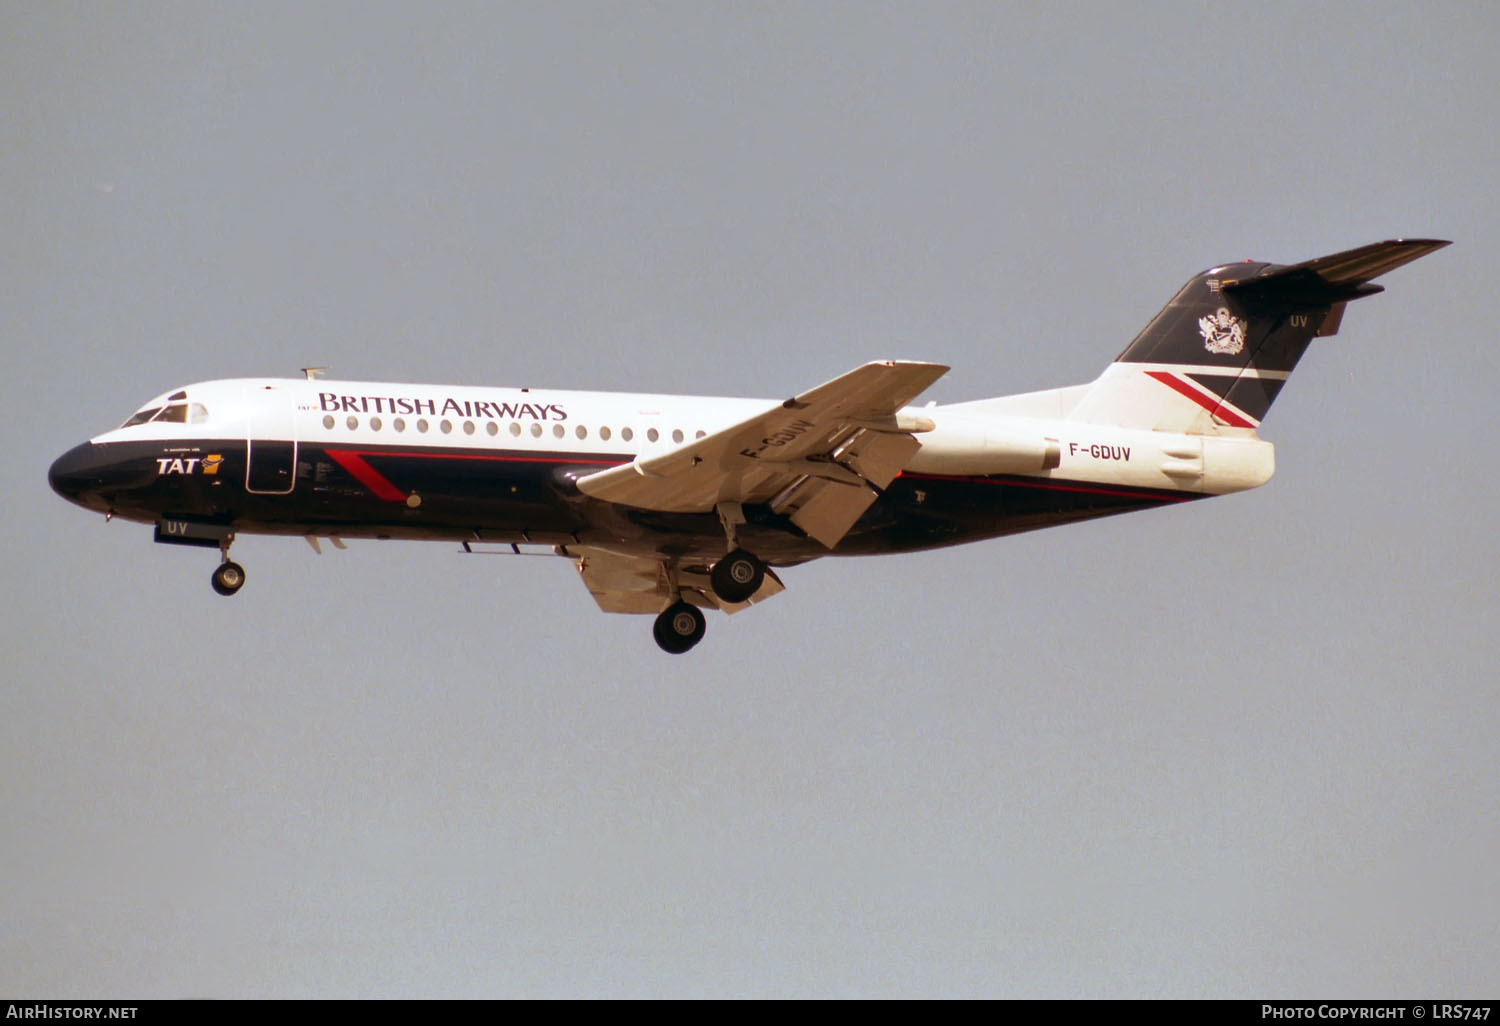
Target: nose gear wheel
228 578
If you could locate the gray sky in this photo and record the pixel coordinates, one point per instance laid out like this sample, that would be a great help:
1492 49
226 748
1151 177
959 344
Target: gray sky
1243 748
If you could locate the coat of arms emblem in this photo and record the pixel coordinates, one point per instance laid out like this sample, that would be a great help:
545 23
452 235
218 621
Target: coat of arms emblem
1222 332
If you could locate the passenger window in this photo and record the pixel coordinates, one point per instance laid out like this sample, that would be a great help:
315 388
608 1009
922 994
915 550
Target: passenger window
557 430
468 427
677 435
374 423
701 434
515 427
582 432
536 431
492 429
352 423
447 427
328 422
604 433
399 424
627 434
422 425
652 434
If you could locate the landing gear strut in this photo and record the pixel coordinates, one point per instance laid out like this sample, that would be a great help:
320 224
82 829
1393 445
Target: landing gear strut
229 576
737 576
679 627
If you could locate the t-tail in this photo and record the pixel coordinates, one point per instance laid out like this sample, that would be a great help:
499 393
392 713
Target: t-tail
1215 358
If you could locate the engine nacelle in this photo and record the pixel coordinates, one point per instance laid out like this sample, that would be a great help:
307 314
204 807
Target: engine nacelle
960 446
1211 464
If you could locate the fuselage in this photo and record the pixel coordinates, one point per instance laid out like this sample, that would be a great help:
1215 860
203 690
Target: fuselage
667 505
396 460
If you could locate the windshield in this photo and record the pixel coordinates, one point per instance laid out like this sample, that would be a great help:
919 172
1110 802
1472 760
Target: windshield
172 413
142 417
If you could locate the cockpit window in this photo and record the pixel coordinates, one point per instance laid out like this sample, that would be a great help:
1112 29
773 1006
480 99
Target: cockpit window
142 417
172 413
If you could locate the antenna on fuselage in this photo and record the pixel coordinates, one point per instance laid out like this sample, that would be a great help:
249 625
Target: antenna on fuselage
311 373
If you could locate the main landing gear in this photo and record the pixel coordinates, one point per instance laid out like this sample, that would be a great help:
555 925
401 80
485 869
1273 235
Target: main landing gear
734 579
679 627
737 576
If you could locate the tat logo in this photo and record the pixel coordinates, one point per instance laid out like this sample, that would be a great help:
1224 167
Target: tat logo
168 465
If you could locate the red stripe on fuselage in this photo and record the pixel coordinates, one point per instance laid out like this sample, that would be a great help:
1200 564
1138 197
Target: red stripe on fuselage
372 479
355 463
416 454
366 475
1054 486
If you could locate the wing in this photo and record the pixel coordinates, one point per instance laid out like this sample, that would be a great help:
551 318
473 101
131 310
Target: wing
644 584
821 457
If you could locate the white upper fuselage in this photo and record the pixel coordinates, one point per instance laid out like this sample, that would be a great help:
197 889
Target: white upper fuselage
1029 434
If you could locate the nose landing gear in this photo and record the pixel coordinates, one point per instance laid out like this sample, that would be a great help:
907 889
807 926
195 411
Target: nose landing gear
229 576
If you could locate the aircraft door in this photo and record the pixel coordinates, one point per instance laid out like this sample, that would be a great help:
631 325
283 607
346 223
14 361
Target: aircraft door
270 441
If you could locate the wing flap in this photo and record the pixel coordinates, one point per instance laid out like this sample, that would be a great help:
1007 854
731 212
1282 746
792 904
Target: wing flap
827 509
878 458
621 584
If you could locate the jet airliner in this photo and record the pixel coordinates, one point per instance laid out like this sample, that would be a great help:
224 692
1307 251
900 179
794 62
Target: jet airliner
670 505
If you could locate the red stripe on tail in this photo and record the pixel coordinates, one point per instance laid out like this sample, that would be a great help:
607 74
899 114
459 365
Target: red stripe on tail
1212 404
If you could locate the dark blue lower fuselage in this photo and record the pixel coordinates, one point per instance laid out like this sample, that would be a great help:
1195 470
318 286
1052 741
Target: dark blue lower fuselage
424 492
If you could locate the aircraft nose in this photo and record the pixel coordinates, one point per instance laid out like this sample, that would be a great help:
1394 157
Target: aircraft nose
83 472
74 471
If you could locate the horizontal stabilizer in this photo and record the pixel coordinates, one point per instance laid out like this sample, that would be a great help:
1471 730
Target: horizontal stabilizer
1328 279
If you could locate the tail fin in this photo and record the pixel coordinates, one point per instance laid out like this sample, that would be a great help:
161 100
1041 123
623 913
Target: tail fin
1218 354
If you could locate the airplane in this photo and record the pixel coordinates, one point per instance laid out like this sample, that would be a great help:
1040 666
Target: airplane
670 505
